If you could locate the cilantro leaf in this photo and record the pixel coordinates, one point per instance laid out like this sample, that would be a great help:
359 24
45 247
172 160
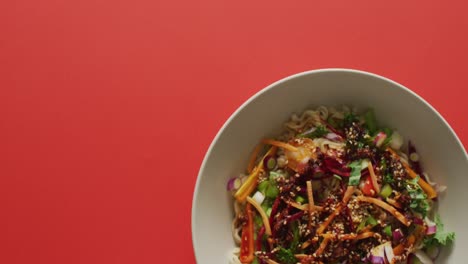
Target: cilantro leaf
286 256
355 175
349 118
440 238
419 201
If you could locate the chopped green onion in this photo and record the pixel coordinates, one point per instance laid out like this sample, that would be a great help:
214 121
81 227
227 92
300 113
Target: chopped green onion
268 211
274 175
300 199
361 226
271 163
388 230
272 191
386 191
263 186
371 221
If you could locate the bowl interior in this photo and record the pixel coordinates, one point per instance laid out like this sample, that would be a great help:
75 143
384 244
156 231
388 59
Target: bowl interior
443 156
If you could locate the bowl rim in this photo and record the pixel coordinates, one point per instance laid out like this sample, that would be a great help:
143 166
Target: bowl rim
276 83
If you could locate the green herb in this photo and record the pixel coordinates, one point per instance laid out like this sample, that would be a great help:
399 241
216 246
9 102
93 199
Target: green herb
419 201
370 121
285 256
334 122
349 118
355 175
296 236
338 177
319 131
388 230
388 178
440 238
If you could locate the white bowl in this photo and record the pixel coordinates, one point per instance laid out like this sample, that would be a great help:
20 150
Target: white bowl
443 156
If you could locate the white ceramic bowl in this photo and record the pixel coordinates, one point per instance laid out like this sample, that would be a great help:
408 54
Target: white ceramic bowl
443 156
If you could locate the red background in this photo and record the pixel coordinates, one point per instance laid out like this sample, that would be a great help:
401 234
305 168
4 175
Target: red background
107 107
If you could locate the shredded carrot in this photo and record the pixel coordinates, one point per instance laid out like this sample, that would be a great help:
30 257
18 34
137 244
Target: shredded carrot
366 229
322 246
386 207
248 186
304 207
357 237
306 244
311 201
349 191
328 220
253 157
431 193
373 177
270 261
400 249
266 221
279 144
394 203
251 182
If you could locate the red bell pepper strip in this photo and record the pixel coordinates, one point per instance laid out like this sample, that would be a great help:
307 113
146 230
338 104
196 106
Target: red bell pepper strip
247 240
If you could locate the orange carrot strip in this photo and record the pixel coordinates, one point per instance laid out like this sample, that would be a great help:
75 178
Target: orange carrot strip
311 201
386 207
251 182
394 203
304 207
349 191
328 220
400 249
373 177
253 157
322 246
356 237
306 244
337 211
279 144
431 193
